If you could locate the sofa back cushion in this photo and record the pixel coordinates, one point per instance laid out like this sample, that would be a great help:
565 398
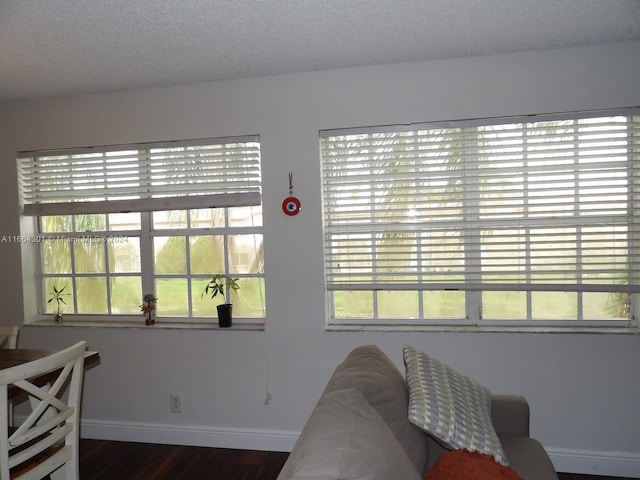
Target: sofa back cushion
346 438
368 370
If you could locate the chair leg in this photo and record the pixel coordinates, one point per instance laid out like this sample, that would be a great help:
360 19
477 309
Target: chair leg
68 471
58 474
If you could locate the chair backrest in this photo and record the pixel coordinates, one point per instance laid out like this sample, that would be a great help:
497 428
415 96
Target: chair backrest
8 336
51 431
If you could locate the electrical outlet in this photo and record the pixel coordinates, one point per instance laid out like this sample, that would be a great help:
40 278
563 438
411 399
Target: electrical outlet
175 403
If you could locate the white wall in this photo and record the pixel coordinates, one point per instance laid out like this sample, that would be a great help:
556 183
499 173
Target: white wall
583 389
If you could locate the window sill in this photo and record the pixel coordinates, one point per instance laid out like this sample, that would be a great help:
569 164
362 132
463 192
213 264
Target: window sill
485 329
140 324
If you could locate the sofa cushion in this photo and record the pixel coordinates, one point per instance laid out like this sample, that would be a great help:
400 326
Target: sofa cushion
371 372
346 438
450 406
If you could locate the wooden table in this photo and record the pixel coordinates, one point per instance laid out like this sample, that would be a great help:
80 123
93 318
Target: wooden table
10 357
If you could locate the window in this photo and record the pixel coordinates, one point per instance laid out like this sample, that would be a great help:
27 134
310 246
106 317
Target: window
114 223
491 222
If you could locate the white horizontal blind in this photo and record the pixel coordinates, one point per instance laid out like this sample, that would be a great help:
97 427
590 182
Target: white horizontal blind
550 204
144 177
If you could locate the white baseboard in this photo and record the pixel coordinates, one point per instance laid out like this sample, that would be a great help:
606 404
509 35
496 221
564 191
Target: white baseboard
617 464
614 464
270 440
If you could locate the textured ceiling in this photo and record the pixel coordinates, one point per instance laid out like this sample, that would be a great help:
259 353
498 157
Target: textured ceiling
51 48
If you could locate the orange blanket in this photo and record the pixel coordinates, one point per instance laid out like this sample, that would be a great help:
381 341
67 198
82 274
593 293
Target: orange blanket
466 465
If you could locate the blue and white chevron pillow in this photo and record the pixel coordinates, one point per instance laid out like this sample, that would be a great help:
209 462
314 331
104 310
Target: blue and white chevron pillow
450 406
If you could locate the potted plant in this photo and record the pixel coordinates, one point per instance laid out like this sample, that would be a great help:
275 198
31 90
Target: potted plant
148 308
221 284
58 295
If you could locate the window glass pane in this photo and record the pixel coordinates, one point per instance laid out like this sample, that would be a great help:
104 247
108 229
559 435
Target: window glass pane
207 217
203 305
504 305
249 301
170 219
345 249
553 255
170 255
503 250
56 255
57 223
172 297
604 249
398 304
353 304
64 285
89 255
245 216
92 294
395 252
245 253
442 256
124 254
554 305
90 223
124 221
206 254
444 304
126 295
599 305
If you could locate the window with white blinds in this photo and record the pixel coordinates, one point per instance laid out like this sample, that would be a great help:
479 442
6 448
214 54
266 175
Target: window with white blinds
526 208
143 177
114 224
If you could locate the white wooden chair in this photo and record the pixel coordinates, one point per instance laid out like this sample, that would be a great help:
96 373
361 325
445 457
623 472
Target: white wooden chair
9 339
49 437
8 336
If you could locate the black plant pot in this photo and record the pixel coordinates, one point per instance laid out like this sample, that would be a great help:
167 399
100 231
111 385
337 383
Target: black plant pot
224 315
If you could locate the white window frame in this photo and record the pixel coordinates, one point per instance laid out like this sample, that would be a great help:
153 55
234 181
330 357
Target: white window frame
349 160
221 173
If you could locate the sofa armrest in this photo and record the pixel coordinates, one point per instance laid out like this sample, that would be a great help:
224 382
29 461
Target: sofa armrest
510 415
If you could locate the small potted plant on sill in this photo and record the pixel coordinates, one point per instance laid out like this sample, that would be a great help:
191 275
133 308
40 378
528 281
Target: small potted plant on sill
221 284
148 308
58 295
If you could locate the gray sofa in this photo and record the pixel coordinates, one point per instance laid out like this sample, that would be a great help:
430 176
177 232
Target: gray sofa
359 429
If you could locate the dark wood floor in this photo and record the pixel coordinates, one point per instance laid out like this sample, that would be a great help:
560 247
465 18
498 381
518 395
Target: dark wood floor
107 460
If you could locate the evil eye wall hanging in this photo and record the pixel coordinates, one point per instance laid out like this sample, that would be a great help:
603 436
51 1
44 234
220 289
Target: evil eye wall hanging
291 205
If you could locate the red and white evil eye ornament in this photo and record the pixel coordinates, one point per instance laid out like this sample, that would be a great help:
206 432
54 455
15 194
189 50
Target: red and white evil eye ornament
291 205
